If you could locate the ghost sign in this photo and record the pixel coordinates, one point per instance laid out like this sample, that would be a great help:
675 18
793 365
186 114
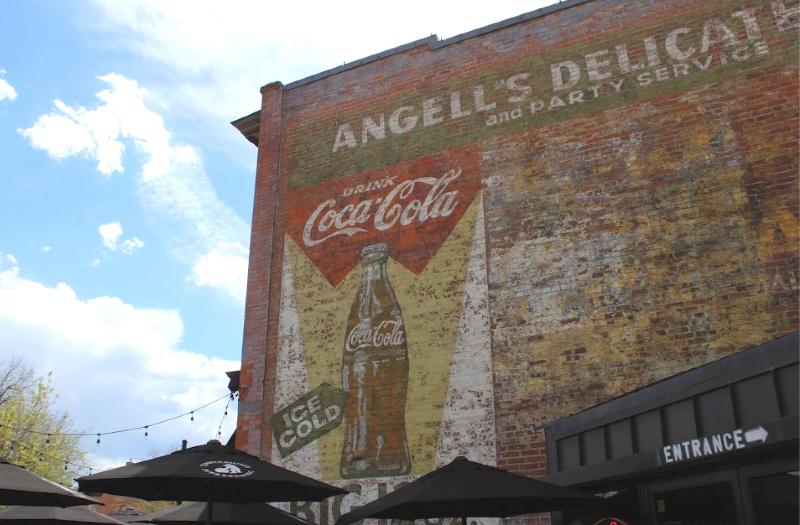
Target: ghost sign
307 418
712 445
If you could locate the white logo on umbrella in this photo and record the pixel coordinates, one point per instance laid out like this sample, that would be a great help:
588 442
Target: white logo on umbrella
227 469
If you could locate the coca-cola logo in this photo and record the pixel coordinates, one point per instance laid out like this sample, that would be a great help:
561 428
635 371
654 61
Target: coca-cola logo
387 334
411 206
397 207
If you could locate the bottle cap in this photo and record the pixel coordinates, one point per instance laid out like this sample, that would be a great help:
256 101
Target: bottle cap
375 252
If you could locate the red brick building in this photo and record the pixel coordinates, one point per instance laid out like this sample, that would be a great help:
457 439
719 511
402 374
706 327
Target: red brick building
565 244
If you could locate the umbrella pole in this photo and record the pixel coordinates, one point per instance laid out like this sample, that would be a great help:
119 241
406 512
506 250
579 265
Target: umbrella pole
210 510
463 520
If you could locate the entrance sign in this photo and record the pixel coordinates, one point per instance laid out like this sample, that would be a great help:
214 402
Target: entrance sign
712 445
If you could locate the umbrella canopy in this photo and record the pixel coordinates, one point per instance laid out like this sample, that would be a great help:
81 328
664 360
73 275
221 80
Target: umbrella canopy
224 514
464 488
210 472
22 487
53 516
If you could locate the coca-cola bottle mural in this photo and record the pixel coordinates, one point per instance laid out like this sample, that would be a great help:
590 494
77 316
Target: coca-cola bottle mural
375 376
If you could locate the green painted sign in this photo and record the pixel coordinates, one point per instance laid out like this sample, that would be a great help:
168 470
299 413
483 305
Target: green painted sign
718 41
307 418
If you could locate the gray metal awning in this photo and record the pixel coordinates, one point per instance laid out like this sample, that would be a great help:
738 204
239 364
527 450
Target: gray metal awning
737 406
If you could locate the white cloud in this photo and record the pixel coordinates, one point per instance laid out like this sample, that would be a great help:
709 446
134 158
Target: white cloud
46 248
97 133
99 463
173 186
7 91
210 58
266 41
111 233
129 245
117 365
223 269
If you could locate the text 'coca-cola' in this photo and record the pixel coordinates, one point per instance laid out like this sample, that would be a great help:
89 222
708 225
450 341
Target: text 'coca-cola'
411 206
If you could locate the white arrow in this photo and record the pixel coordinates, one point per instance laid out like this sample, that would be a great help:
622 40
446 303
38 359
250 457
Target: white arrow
755 434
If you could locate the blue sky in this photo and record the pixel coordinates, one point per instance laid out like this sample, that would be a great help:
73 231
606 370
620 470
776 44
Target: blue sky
127 195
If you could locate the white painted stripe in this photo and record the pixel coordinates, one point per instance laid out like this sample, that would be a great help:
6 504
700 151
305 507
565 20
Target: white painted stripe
292 381
468 422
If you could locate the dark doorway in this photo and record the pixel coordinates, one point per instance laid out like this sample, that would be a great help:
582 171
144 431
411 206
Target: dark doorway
775 498
711 504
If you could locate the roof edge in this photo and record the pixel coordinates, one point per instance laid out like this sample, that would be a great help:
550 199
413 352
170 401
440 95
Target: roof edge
245 124
249 126
430 40
754 360
434 42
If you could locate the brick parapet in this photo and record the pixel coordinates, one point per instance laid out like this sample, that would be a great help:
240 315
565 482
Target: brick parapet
257 372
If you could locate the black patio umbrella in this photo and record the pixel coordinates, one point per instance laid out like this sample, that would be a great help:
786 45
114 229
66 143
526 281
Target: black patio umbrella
210 473
464 488
19 486
224 514
53 516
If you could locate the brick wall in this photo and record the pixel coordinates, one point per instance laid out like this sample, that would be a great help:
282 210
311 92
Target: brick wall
636 212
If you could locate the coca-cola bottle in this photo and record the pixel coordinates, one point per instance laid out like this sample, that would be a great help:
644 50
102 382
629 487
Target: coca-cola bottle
375 376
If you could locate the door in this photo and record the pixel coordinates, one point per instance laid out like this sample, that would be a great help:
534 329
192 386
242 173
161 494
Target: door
710 499
772 492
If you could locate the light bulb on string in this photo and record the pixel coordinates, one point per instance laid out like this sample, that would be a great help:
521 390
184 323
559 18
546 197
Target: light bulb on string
45 438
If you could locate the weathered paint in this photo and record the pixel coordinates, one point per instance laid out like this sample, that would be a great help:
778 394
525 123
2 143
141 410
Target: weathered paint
599 235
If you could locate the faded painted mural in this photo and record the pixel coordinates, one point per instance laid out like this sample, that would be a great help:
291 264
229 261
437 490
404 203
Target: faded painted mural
474 242
384 307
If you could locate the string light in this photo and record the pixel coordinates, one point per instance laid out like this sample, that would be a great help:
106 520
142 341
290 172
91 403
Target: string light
123 430
41 456
224 415
16 447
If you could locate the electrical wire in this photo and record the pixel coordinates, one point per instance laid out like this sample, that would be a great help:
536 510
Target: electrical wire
122 430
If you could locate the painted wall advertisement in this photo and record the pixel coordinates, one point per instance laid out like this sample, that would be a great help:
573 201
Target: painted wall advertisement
384 357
